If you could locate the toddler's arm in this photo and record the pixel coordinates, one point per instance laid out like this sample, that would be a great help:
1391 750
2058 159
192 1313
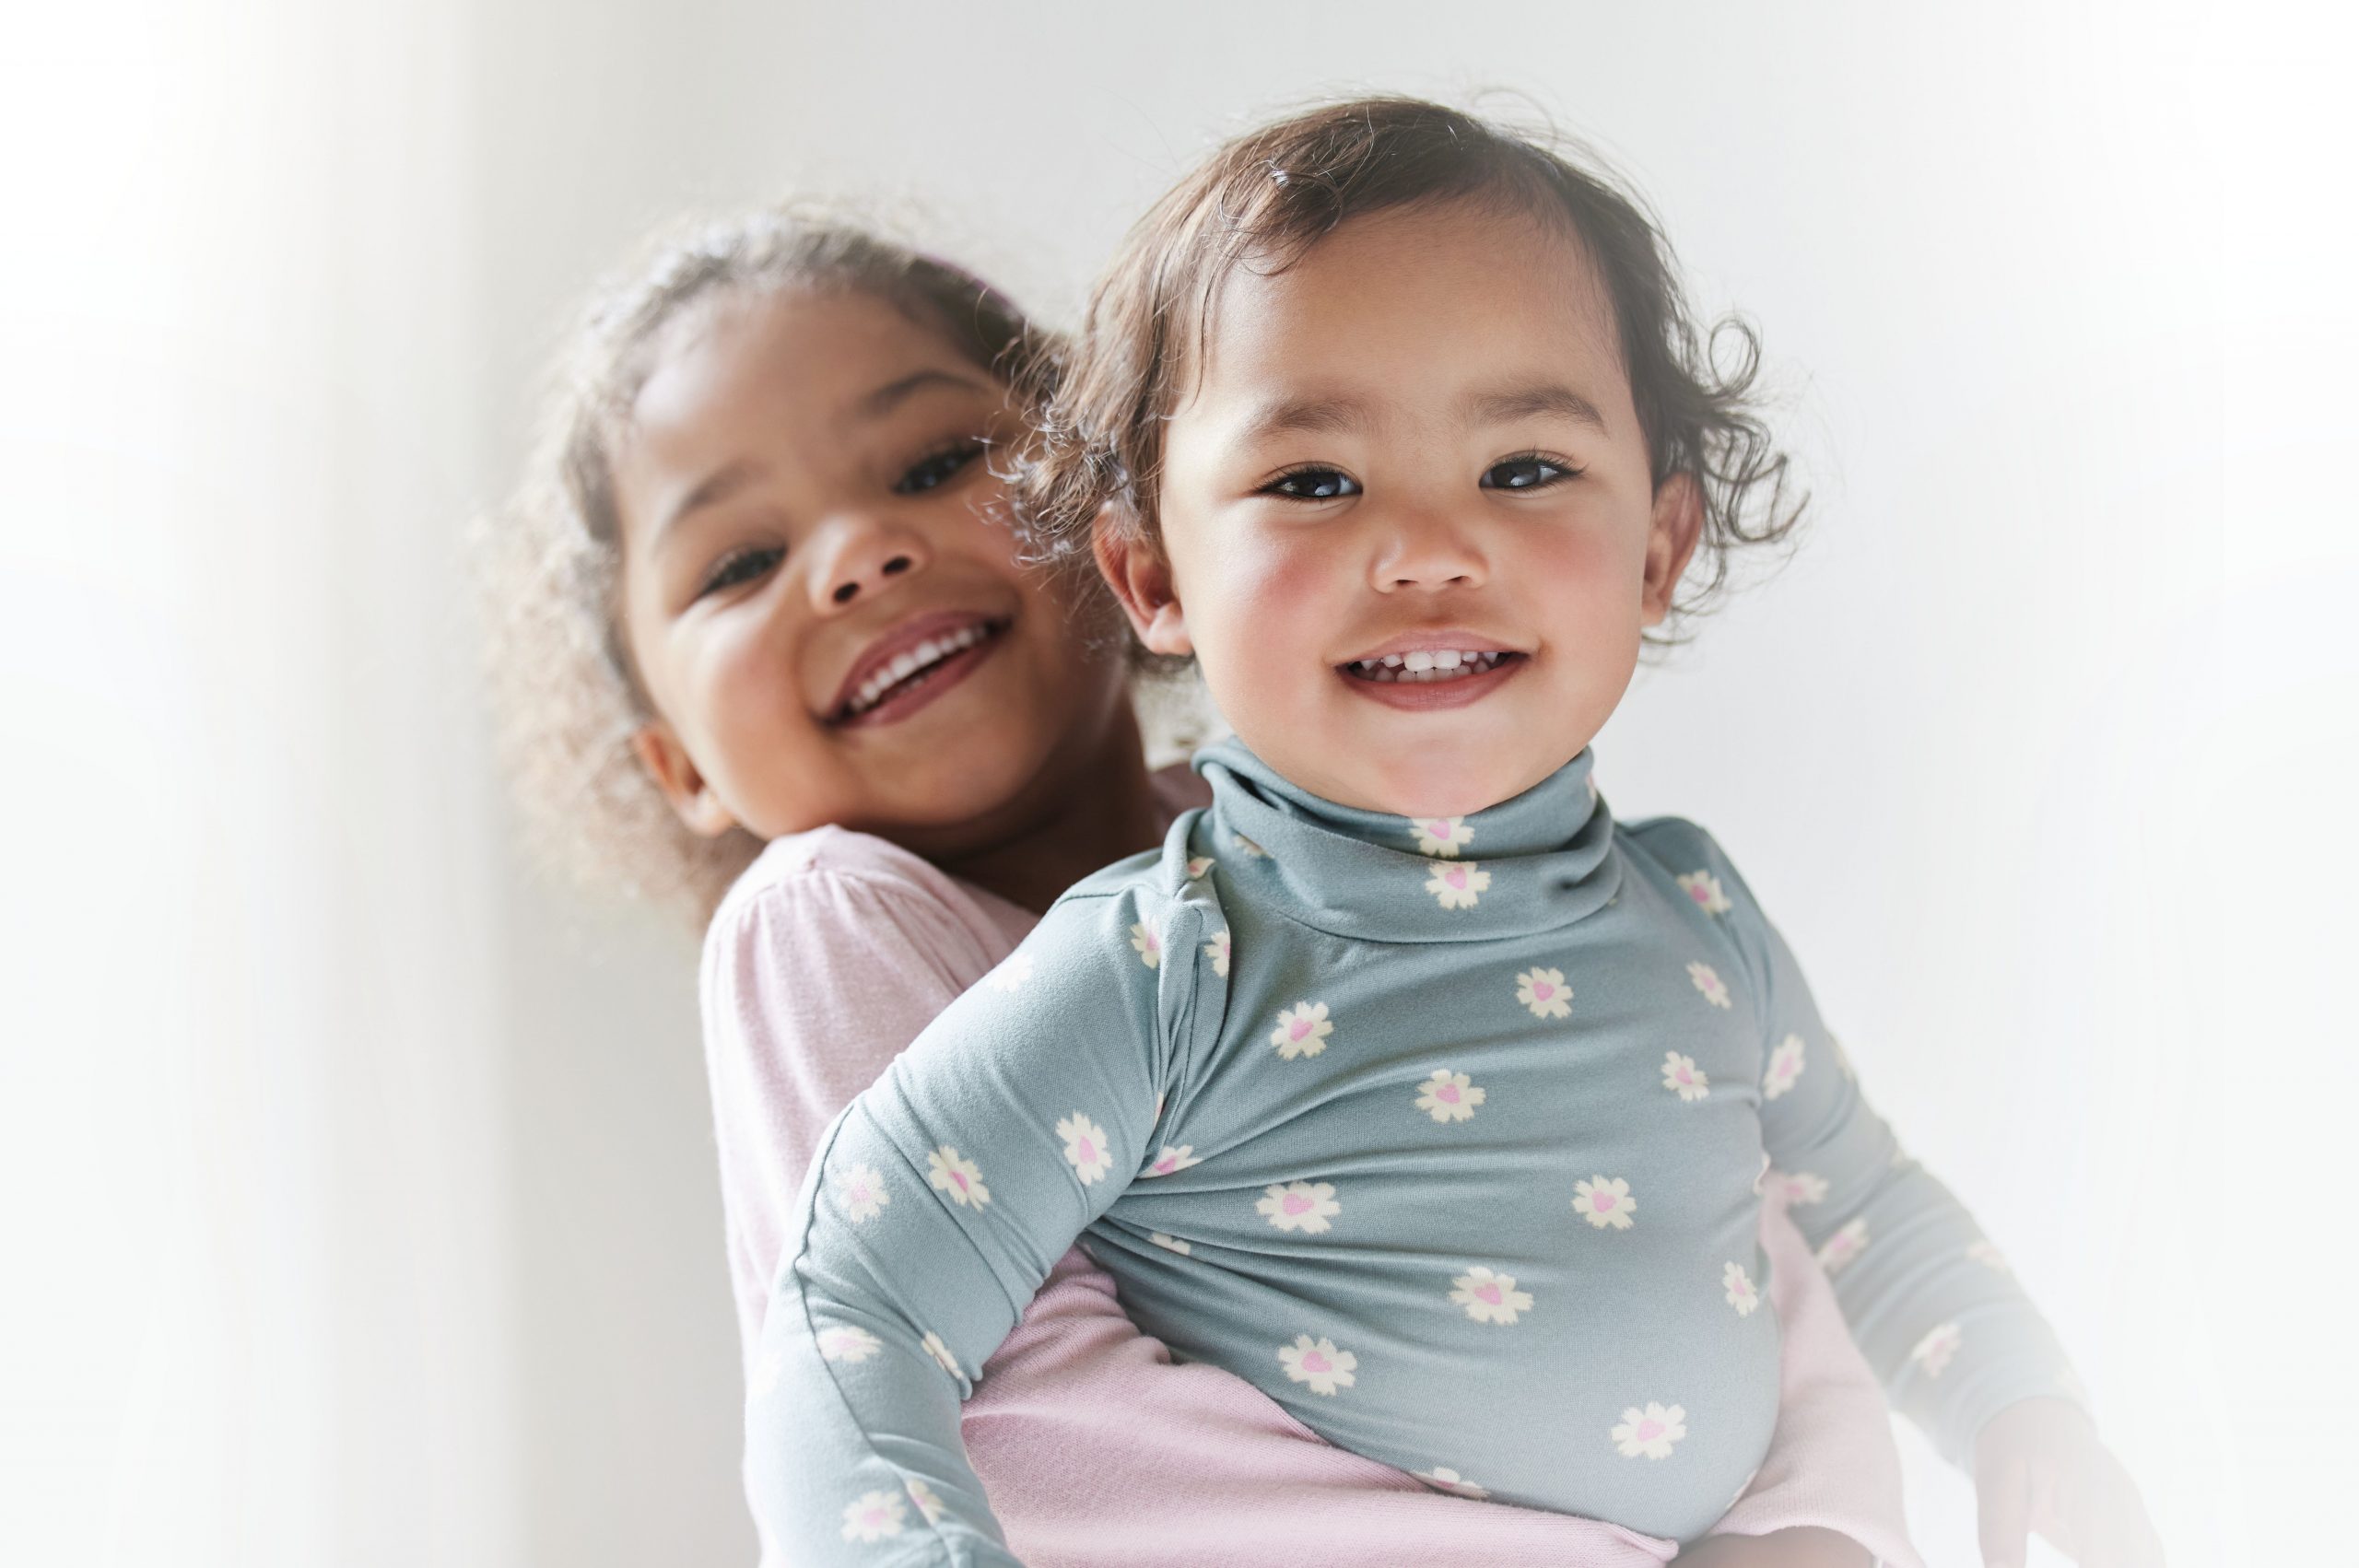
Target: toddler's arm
936 1205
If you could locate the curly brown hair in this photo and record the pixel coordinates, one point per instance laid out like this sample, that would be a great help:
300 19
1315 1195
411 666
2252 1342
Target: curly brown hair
1265 198
549 563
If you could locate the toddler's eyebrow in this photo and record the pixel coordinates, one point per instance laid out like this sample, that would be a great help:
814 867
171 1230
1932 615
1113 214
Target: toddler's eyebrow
1347 415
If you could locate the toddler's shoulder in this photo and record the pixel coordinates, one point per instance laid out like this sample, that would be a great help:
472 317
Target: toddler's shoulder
1683 857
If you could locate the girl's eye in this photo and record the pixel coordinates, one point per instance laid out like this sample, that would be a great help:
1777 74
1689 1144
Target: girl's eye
936 468
741 566
1530 472
1312 484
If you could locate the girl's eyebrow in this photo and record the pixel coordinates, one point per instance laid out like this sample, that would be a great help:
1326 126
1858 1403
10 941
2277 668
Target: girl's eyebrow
892 395
1510 403
1348 416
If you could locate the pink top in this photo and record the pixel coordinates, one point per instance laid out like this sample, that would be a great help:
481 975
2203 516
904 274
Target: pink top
831 954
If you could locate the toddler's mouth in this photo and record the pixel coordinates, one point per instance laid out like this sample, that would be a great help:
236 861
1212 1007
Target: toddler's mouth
913 676
1428 666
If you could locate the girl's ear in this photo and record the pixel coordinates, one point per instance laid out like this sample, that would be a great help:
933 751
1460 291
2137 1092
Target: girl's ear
1677 523
1134 568
668 763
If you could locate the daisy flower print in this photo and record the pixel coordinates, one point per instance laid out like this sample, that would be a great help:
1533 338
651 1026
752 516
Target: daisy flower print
876 1515
960 1178
849 1344
862 1192
1488 1296
1199 865
1443 836
1319 1364
1252 849
1217 951
1843 1248
1801 1188
940 1351
1738 1286
1683 1078
1459 886
1544 991
929 1502
1085 1148
1170 1244
1785 1066
1938 1348
1302 1030
1172 1160
1302 1206
1148 944
1011 975
1606 1201
1448 1096
1708 981
1706 890
1649 1433
1442 1478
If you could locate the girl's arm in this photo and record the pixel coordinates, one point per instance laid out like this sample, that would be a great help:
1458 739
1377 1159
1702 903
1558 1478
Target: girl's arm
934 1208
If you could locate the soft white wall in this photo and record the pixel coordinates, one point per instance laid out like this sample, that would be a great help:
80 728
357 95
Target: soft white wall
372 1214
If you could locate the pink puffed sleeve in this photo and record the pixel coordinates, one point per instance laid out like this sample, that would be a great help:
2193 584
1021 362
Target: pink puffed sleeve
829 956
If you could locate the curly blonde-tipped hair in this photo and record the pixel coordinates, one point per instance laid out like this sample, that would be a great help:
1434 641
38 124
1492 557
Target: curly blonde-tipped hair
567 698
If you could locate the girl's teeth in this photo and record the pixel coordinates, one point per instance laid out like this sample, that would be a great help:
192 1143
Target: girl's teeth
909 663
1443 664
1418 662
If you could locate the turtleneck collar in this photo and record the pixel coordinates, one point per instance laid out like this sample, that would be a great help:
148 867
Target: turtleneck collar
1540 860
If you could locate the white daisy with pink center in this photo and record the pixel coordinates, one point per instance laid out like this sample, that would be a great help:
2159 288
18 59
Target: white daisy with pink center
1707 980
1302 1030
1650 1433
1606 1201
1217 951
1705 889
1490 1297
1448 1096
960 1178
1304 1206
1459 886
1938 1348
1683 1078
849 1344
929 1502
940 1351
1443 836
1319 1364
1786 1065
1801 1188
1544 991
1085 1148
1738 1286
1148 944
876 1515
1199 865
862 1192
1442 1478
1843 1248
1171 1160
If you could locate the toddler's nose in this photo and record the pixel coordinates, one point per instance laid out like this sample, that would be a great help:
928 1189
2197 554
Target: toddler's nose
860 560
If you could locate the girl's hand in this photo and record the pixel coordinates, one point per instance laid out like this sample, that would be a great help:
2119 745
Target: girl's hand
2038 1465
1806 1547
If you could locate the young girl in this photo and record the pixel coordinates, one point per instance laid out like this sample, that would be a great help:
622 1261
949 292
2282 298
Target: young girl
761 482
1401 1081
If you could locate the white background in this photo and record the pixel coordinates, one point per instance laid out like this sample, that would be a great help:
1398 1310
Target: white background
358 1188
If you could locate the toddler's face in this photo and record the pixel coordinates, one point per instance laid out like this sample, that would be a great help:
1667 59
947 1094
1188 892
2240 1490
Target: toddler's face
1415 445
820 589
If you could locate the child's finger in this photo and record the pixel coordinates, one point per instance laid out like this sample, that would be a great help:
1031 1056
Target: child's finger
2002 1509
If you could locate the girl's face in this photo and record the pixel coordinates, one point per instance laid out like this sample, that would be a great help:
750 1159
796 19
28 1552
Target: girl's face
1414 447
820 590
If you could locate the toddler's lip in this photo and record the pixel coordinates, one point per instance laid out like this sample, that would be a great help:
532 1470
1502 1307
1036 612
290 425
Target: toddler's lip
904 637
1438 641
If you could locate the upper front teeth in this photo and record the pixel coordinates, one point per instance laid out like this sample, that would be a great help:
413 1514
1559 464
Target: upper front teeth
909 661
1427 663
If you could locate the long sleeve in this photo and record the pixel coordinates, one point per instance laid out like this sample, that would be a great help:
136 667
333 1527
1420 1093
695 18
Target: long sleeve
935 1209
1951 1334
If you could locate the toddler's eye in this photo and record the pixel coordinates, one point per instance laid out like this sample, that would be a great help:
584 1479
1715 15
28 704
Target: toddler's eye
1530 472
937 468
1312 484
741 566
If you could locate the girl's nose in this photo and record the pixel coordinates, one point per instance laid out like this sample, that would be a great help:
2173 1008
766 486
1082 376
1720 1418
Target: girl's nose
1429 552
859 557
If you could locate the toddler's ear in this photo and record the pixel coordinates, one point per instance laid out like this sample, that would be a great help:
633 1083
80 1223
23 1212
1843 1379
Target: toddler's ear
1677 523
1134 566
668 763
